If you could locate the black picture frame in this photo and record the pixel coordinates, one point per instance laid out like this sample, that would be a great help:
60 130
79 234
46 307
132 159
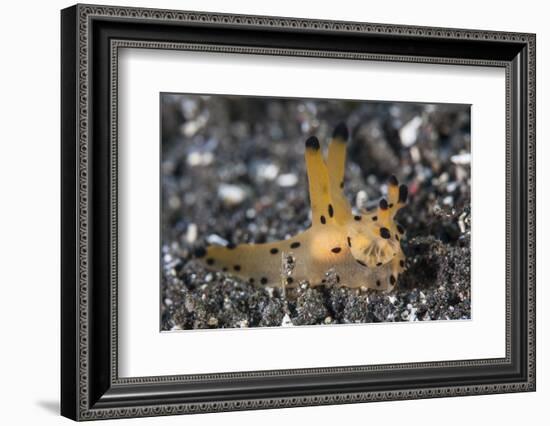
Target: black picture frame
90 386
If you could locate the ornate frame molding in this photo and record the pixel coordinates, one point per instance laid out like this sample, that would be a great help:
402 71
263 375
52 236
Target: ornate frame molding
79 20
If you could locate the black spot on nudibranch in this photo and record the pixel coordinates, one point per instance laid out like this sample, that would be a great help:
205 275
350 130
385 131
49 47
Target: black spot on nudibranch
392 280
342 184
263 280
330 210
401 263
385 233
341 132
251 280
400 229
397 237
349 242
336 250
200 252
274 250
375 218
295 244
323 220
379 264
210 261
361 263
289 280
378 283
357 218
393 180
237 267
403 193
312 143
383 204
230 246
224 269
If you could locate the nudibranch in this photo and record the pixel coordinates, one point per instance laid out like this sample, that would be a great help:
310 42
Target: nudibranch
359 250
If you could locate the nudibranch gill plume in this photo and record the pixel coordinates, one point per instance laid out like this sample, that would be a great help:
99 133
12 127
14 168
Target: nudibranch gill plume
356 250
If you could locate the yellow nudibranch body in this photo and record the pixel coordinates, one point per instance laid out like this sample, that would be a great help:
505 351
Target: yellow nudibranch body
357 250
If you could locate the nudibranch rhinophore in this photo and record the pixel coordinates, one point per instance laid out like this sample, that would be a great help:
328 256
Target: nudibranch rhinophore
361 250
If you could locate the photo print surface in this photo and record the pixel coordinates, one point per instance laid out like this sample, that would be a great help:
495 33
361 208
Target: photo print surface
289 211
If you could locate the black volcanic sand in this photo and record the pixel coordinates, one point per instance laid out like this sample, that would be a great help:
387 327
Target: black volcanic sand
233 171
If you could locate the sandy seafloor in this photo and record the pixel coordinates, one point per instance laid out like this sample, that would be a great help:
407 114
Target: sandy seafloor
233 171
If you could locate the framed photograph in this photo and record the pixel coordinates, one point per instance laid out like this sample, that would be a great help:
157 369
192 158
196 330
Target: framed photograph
263 212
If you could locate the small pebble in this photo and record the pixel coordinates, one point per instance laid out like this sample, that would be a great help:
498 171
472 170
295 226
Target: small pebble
451 186
197 158
216 240
174 202
286 321
192 233
231 195
266 171
361 199
287 180
462 159
409 132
